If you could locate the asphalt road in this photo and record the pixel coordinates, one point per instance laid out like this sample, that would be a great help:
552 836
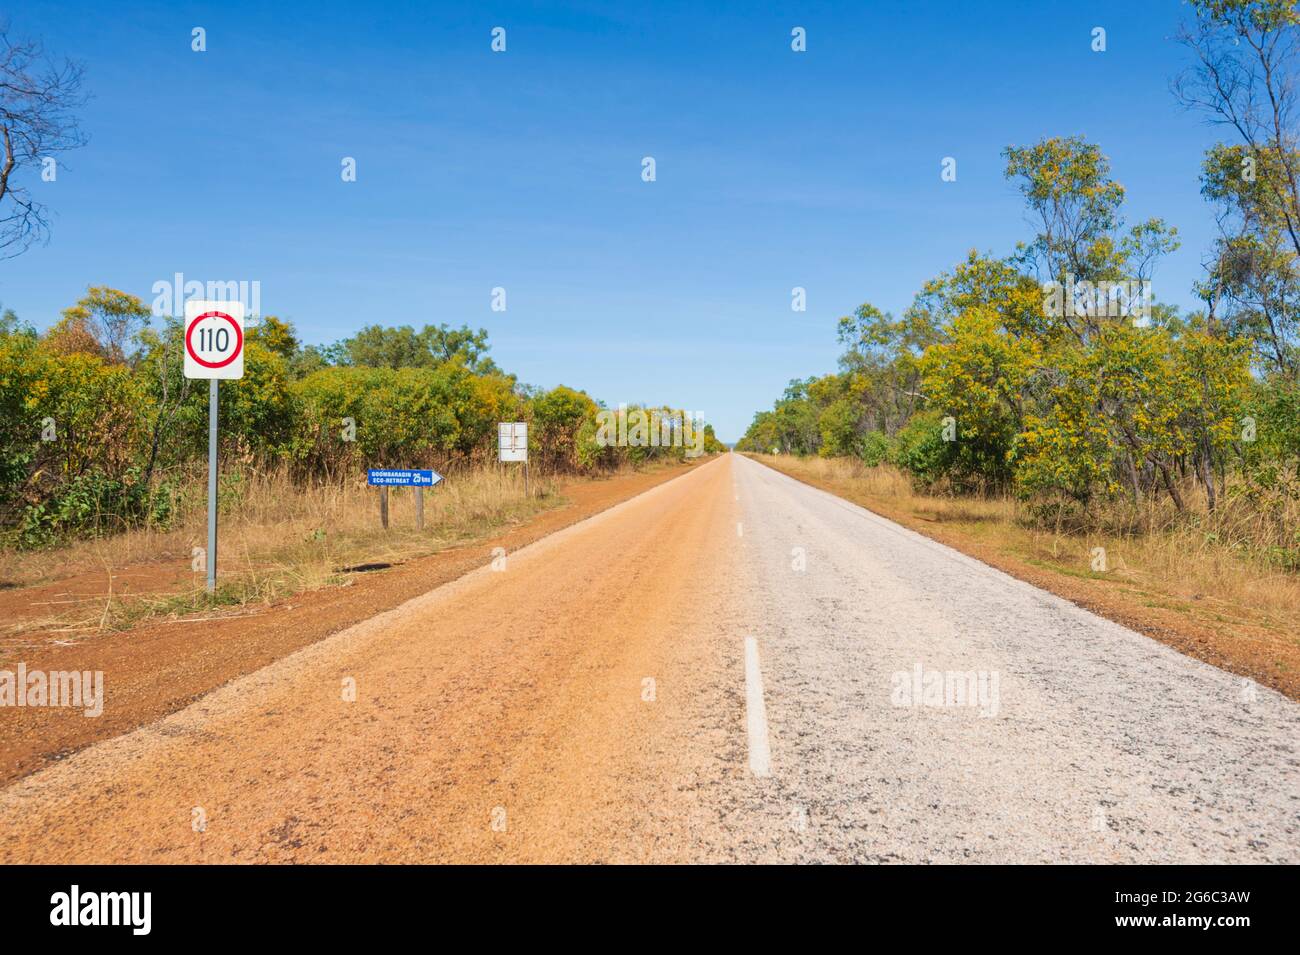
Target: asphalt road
731 667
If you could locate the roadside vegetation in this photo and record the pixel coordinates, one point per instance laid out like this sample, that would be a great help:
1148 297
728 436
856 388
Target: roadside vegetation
103 447
1047 397
100 433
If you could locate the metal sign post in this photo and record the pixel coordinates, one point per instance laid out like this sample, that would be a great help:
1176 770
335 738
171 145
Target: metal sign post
512 445
214 349
210 559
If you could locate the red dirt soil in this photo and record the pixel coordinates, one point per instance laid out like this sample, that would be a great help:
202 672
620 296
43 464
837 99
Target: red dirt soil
160 667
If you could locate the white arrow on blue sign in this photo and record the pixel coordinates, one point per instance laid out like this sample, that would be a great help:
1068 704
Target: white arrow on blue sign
402 477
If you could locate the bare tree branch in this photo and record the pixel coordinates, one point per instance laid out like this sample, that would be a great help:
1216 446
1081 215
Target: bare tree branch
38 101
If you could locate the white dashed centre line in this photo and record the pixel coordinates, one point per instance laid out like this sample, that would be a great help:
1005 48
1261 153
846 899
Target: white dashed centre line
760 756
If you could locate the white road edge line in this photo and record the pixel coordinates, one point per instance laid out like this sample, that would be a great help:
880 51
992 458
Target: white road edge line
760 756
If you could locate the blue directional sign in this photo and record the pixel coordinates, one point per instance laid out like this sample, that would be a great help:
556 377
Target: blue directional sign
402 477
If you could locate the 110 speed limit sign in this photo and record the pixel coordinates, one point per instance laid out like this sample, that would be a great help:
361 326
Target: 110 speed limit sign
214 339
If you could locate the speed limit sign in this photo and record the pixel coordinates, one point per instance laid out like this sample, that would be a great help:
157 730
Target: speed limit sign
214 339
214 349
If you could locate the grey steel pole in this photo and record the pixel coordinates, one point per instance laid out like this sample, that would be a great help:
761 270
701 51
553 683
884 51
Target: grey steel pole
212 485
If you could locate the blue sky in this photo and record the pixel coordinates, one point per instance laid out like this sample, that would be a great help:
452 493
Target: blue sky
522 170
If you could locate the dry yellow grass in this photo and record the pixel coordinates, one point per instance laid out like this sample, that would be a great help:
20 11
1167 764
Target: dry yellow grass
278 536
1210 563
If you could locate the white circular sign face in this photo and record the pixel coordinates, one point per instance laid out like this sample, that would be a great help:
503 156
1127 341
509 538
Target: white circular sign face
214 339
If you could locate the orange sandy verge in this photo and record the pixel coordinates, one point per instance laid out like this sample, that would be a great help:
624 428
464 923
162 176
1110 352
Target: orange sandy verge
160 667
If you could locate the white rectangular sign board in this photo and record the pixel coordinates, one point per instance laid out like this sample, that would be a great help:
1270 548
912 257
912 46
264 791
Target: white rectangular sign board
512 440
214 339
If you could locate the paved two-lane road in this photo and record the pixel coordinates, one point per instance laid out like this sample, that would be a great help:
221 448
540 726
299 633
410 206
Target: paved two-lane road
730 667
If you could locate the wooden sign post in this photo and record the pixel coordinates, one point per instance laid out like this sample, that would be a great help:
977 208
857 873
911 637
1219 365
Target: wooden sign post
384 478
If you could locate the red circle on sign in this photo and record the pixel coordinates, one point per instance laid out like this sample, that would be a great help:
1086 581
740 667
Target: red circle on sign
239 340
